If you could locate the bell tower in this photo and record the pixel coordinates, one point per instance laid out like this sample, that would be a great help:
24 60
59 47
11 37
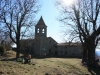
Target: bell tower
40 37
40 29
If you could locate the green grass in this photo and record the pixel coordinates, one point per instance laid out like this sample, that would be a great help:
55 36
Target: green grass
47 66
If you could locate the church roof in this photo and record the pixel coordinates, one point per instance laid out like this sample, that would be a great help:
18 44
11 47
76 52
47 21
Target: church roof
41 22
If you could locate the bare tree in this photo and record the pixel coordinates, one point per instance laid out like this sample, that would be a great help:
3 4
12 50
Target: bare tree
17 17
83 19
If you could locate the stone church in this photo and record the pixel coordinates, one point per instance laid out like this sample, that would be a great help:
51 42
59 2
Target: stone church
43 45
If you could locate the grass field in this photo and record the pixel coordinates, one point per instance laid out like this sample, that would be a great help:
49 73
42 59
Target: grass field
46 66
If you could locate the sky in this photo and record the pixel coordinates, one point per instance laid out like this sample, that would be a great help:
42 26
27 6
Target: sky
50 13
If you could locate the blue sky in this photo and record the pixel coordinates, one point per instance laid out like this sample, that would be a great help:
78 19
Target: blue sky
49 12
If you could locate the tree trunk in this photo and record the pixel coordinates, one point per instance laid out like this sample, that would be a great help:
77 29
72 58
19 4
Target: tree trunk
18 51
91 52
91 56
84 58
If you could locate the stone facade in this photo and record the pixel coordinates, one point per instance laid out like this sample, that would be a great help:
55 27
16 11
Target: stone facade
43 45
69 50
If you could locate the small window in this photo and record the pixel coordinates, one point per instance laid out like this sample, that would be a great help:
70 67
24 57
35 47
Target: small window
56 46
43 30
49 41
65 52
56 52
49 50
38 30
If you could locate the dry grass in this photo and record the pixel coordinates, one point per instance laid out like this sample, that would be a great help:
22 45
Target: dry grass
47 66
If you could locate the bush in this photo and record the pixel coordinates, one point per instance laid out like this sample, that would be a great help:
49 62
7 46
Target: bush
2 50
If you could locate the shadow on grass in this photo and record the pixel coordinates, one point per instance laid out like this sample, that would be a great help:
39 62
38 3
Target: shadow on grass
7 59
94 70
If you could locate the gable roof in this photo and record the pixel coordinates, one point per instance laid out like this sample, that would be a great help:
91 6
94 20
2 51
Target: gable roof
41 22
69 44
52 39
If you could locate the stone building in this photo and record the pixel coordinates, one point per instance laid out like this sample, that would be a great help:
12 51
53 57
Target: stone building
43 45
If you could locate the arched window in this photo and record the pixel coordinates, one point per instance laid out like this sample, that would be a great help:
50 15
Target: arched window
38 30
49 51
43 30
65 52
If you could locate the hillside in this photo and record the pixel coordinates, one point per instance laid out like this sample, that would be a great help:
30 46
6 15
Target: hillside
46 66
